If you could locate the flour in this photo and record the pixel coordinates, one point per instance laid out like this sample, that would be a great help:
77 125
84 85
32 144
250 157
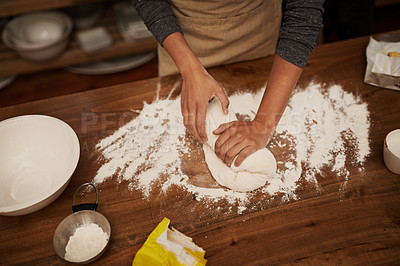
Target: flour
320 129
86 243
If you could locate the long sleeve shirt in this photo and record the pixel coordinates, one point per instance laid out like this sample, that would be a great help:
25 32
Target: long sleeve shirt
302 21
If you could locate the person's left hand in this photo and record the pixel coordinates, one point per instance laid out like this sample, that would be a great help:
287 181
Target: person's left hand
240 138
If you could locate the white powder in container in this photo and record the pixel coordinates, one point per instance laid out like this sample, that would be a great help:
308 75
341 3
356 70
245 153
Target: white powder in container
87 242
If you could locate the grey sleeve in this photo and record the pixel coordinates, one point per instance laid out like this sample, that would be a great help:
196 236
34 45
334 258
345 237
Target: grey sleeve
158 17
302 22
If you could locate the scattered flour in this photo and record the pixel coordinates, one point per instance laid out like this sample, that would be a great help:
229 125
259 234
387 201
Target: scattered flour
86 243
320 128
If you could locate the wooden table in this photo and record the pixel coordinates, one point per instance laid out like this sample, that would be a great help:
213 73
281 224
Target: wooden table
359 226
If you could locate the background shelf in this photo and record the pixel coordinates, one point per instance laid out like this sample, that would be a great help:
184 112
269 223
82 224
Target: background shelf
15 7
12 64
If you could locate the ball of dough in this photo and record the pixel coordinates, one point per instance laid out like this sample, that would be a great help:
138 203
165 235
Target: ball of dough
253 172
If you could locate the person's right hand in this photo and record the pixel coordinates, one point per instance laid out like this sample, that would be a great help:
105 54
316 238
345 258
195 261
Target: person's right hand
198 86
197 89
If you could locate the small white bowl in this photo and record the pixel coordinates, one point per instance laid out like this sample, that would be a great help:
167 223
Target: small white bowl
38 155
38 36
391 151
43 54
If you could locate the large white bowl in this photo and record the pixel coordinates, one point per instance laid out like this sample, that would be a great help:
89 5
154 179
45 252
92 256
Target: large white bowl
38 36
38 155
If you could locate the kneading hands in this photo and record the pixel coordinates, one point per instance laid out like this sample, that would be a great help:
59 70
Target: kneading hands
237 139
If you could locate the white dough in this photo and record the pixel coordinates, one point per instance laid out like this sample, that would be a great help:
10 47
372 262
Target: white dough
253 172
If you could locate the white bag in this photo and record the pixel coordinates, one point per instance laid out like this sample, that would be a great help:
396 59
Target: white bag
383 70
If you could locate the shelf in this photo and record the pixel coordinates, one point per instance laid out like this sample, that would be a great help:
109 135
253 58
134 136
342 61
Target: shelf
12 64
15 7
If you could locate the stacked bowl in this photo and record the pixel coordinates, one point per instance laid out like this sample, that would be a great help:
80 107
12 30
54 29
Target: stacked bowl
38 36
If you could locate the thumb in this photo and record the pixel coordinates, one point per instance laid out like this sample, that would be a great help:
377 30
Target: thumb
224 100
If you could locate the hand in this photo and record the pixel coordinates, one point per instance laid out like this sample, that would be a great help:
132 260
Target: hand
241 138
197 89
198 86
244 138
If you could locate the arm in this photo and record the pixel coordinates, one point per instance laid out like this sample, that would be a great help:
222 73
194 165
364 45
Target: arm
241 138
302 22
158 17
198 86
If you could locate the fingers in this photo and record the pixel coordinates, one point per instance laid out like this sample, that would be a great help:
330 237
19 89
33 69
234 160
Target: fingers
200 122
196 92
190 124
223 127
228 130
233 152
231 148
229 144
189 119
233 143
194 121
244 153
240 150
223 99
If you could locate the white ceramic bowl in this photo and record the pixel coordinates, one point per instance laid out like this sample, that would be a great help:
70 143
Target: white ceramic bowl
38 36
391 151
38 155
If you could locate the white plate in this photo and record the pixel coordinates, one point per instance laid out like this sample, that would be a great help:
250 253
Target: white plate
113 65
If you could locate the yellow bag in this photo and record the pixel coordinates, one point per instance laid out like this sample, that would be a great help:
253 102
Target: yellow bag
167 246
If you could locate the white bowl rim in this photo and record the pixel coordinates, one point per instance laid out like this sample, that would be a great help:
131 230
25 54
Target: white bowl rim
57 14
62 181
392 134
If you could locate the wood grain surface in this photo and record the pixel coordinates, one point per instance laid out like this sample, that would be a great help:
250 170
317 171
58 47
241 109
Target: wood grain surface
360 225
